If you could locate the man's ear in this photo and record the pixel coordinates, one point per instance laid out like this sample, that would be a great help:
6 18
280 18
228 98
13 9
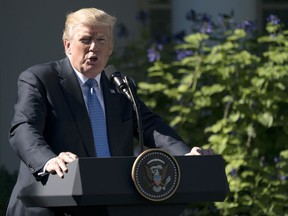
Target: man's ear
67 46
111 47
111 50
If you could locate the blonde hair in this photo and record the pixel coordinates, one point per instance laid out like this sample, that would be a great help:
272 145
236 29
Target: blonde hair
88 17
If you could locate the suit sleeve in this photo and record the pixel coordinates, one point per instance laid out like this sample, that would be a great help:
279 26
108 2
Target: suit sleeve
26 132
158 134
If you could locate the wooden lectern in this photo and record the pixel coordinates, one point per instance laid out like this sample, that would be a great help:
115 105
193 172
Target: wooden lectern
108 182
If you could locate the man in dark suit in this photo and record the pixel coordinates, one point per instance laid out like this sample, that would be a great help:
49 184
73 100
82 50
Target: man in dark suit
51 126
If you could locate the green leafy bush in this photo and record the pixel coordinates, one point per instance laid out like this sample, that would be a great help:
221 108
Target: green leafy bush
231 93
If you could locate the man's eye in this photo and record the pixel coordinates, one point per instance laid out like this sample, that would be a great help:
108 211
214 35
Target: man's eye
86 41
101 40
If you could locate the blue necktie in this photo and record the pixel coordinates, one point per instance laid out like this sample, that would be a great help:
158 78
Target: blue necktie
97 120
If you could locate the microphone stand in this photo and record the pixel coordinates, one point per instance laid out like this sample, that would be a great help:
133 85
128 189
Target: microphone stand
128 81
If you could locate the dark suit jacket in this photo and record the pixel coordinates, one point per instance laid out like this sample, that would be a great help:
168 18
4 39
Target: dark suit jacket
51 117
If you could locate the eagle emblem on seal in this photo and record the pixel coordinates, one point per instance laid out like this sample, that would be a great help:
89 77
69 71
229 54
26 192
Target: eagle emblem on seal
156 173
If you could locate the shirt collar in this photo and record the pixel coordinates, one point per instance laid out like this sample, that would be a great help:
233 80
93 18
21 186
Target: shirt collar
82 79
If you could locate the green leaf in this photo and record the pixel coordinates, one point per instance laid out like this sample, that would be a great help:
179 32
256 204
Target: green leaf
251 131
195 39
266 119
152 87
210 90
218 126
238 34
234 117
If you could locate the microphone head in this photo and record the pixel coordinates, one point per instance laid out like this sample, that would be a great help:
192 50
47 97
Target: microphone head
111 72
116 77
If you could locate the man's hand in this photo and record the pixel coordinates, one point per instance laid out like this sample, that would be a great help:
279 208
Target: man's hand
200 151
58 164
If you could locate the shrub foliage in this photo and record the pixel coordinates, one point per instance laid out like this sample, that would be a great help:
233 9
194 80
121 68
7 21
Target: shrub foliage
231 93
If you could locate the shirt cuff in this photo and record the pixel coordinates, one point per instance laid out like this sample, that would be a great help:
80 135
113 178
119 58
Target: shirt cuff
44 172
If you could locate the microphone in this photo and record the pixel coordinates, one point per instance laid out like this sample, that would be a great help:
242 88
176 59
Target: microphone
123 86
116 77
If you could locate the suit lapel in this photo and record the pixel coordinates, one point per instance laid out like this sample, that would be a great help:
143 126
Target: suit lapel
74 98
112 101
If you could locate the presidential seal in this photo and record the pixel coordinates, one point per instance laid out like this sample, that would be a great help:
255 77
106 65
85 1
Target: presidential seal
156 174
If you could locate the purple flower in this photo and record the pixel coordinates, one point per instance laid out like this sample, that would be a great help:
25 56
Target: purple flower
272 35
153 53
276 159
207 24
181 54
206 28
248 26
273 19
283 178
226 21
233 172
159 46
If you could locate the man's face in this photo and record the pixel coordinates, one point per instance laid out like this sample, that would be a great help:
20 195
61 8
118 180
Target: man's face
89 49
